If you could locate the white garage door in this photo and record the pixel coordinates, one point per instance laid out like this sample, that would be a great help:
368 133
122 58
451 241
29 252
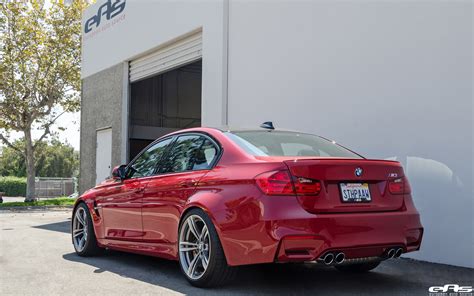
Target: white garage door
103 162
180 52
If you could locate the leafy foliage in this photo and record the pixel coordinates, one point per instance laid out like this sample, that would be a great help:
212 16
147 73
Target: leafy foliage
39 70
53 159
13 186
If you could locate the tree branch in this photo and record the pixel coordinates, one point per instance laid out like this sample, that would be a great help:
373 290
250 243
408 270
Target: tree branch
5 140
47 130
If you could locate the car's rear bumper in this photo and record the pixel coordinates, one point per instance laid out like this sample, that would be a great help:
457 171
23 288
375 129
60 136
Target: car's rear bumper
281 231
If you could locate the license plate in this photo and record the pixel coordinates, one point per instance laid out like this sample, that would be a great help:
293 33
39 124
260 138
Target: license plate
355 192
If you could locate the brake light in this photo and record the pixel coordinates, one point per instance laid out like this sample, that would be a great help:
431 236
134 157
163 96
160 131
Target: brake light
281 183
305 186
275 183
399 186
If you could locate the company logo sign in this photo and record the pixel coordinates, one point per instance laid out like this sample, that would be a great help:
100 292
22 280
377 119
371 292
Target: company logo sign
451 290
109 10
358 172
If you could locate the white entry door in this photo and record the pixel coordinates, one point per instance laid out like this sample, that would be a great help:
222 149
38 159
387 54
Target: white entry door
103 160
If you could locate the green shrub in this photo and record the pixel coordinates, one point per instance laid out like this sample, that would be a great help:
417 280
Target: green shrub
13 186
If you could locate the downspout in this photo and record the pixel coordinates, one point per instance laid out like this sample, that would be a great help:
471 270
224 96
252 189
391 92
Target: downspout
225 65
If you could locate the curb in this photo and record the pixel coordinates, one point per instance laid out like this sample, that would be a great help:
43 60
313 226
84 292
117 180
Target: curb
35 208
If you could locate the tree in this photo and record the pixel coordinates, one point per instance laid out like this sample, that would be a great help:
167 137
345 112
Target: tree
53 159
39 71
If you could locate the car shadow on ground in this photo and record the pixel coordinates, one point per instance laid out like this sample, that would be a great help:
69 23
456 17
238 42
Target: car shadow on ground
259 279
64 226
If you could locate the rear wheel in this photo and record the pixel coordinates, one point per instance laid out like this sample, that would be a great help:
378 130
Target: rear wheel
359 267
83 235
201 256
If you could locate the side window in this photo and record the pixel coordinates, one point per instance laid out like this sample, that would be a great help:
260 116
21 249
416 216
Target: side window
146 163
189 153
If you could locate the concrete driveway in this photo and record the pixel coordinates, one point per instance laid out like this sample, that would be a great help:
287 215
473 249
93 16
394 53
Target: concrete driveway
37 258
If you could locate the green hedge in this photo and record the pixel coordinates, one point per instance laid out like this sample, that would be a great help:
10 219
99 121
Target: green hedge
13 186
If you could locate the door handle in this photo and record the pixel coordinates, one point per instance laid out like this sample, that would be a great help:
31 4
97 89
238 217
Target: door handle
188 183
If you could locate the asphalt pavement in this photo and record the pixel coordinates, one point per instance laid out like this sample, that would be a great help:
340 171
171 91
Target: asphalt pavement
37 258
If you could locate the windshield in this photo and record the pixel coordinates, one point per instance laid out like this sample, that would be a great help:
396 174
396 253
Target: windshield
279 143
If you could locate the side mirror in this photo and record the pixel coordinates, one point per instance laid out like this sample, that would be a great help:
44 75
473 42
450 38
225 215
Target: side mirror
119 172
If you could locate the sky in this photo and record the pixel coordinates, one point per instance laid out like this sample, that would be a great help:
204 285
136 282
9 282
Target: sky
69 121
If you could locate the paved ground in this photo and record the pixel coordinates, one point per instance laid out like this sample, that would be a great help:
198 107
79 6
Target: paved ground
36 257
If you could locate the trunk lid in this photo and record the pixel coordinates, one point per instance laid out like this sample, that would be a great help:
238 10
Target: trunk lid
332 172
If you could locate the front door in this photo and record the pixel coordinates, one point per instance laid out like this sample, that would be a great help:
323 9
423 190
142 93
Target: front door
121 203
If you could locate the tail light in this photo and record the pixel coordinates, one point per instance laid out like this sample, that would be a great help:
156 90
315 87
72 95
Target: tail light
399 186
281 183
275 183
305 186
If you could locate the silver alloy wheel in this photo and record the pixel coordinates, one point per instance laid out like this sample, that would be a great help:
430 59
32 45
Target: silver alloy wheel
79 229
194 247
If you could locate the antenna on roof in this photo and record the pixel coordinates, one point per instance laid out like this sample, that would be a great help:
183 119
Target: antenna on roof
267 125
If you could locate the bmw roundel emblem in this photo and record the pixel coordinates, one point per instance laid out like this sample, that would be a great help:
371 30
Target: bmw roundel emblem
358 172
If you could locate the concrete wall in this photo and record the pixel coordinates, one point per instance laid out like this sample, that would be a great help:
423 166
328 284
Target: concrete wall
144 25
101 105
390 79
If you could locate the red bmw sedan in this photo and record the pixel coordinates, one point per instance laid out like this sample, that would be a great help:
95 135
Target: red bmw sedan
216 199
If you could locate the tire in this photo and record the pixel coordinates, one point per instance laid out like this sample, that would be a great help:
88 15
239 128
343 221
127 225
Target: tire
359 267
86 244
203 273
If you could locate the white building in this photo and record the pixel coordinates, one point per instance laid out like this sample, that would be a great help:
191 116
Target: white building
389 79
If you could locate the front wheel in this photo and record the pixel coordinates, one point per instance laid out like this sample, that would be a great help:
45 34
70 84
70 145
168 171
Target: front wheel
358 267
83 236
201 256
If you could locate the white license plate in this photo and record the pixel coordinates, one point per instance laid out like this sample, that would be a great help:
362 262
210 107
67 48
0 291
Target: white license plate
355 192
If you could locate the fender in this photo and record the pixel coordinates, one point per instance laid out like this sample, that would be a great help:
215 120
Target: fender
89 199
211 203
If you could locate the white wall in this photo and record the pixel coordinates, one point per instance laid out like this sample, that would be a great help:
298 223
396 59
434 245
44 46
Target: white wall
386 78
145 25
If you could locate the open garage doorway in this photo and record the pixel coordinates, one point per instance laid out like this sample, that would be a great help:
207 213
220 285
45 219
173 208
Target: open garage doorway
164 103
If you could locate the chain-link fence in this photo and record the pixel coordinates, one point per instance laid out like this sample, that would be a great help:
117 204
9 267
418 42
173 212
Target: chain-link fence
55 187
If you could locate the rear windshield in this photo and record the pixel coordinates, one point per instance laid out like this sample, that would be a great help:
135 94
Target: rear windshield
278 143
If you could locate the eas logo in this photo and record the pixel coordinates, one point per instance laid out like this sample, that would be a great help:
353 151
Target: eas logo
451 287
108 9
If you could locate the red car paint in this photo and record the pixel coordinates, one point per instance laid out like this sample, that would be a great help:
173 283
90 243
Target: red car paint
142 215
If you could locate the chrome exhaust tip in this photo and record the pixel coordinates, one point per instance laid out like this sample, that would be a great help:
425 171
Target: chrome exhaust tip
328 259
340 257
391 253
398 253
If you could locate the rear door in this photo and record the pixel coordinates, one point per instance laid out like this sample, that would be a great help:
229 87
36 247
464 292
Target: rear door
345 183
166 194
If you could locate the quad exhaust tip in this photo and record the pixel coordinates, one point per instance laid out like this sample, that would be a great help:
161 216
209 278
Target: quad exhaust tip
391 253
398 253
394 253
340 257
328 259
333 258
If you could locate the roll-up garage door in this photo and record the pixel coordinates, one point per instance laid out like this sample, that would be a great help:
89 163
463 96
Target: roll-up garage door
183 51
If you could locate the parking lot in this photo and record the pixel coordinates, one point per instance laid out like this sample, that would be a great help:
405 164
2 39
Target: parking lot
37 257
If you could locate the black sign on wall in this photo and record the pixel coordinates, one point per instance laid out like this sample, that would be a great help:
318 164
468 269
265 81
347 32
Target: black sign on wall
109 10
